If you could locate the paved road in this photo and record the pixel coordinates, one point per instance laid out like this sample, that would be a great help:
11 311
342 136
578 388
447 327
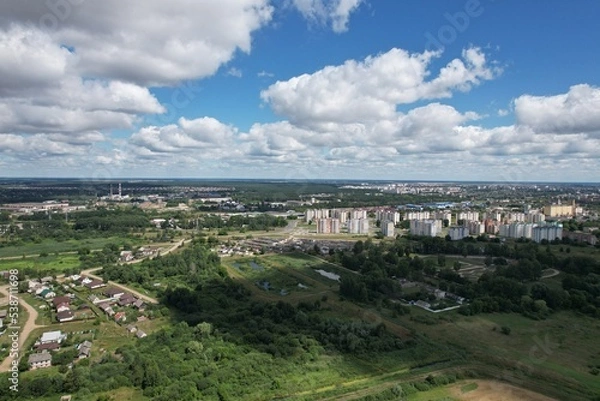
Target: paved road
26 328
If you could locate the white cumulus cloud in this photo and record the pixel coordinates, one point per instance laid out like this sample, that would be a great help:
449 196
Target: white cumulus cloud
328 12
372 89
577 111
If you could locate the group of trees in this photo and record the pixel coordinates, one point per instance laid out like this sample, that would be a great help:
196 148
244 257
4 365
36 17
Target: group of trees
111 221
513 286
239 222
78 226
191 265
280 329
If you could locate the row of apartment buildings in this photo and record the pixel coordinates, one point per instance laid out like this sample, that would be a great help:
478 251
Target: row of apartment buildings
354 226
535 231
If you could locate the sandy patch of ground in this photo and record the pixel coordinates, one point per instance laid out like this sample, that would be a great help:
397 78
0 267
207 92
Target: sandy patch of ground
488 390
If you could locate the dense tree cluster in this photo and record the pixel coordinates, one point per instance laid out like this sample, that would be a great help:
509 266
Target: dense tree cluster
192 265
111 221
280 329
239 222
512 286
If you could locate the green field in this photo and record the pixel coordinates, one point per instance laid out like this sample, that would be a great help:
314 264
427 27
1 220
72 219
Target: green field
50 262
295 274
50 246
556 351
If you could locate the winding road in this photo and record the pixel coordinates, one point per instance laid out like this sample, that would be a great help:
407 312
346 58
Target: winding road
90 273
26 328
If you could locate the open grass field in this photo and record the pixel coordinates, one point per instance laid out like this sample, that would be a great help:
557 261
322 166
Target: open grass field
575 250
291 278
121 394
50 262
556 351
478 390
51 246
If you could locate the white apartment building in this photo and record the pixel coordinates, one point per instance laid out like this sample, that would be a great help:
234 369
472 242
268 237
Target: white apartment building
358 226
328 226
468 216
417 215
388 215
535 217
457 233
547 232
517 217
357 214
534 231
315 214
341 214
443 215
429 228
476 227
493 215
388 228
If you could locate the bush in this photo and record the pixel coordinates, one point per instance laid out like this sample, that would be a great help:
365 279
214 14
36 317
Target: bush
505 330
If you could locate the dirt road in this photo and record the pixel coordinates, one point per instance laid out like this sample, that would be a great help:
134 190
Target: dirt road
26 328
89 273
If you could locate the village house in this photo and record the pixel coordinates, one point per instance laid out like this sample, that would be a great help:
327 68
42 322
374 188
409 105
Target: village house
46 293
33 285
120 317
84 349
114 292
52 336
41 360
53 346
106 308
126 300
139 305
61 300
65 316
63 307
95 284
126 256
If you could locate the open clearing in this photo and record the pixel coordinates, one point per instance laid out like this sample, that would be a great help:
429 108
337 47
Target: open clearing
496 391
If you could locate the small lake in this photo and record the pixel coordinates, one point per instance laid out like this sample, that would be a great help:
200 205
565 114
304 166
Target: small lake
256 266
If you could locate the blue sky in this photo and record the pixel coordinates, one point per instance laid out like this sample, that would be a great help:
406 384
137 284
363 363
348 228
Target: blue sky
449 90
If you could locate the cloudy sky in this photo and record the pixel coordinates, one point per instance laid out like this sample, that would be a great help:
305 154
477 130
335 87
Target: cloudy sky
366 89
